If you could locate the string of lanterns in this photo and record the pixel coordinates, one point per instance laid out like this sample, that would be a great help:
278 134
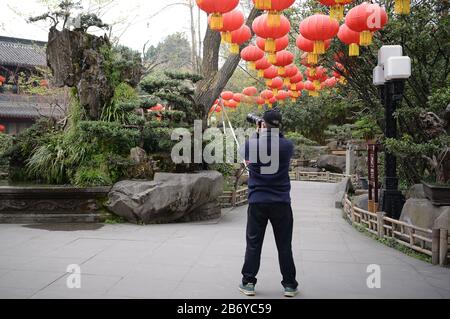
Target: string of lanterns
269 54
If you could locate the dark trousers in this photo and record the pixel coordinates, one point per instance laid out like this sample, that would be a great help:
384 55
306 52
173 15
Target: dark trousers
280 216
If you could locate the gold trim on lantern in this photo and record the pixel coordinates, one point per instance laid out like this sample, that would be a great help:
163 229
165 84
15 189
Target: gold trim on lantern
252 65
216 22
234 49
402 7
281 70
260 73
365 38
274 19
269 45
287 81
272 58
313 58
319 47
353 49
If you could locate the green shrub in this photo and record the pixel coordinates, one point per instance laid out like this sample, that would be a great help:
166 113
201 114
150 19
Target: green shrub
6 142
91 176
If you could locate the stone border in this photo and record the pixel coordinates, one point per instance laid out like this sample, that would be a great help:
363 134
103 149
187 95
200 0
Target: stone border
42 204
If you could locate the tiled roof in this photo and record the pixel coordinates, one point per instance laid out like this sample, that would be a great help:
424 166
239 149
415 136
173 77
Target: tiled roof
22 52
28 111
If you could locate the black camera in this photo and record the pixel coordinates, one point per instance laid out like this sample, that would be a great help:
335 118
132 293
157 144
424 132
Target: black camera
253 119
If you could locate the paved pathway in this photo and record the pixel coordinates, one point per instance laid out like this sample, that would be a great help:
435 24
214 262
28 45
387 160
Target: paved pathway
203 260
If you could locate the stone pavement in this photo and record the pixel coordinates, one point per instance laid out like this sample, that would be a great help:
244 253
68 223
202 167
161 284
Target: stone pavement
203 260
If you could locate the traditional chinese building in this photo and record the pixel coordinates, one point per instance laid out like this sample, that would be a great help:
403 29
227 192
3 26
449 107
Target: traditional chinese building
21 60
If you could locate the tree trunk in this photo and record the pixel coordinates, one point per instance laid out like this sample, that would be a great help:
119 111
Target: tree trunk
215 80
193 38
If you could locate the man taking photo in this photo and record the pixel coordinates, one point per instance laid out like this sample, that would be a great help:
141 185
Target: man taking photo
268 155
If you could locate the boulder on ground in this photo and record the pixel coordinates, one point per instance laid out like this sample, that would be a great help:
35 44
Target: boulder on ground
332 163
342 188
422 213
416 191
361 201
168 198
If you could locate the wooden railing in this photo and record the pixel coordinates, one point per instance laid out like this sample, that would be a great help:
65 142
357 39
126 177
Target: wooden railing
324 177
234 198
432 242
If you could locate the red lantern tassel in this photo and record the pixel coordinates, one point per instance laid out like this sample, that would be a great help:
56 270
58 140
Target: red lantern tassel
274 19
270 45
272 58
216 21
234 49
365 38
353 49
319 47
313 58
251 65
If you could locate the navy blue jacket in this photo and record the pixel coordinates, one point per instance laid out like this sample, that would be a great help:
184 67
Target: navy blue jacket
274 187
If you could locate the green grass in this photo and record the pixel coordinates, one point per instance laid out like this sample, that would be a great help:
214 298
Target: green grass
390 242
114 219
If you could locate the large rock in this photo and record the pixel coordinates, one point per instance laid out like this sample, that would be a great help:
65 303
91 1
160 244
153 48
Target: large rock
168 198
342 188
422 213
416 191
332 163
361 201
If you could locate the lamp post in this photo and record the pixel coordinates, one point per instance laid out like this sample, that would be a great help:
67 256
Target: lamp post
389 76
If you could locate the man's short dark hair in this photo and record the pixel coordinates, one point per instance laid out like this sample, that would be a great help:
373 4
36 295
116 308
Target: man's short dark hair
273 118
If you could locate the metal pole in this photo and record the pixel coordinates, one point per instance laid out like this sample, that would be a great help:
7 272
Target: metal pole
392 199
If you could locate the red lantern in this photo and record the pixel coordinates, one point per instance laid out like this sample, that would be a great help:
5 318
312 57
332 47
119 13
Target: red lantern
336 7
231 104
239 37
237 97
227 95
295 79
280 44
366 18
270 33
294 95
319 28
261 65
277 7
310 87
157 107
282 95
217 9
276 84
272 101
350 38
2 128
308 47
2 80
283 59
267 95
250 91
252 54
259 100
270 73
231 21
289 72
300 86
215 108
